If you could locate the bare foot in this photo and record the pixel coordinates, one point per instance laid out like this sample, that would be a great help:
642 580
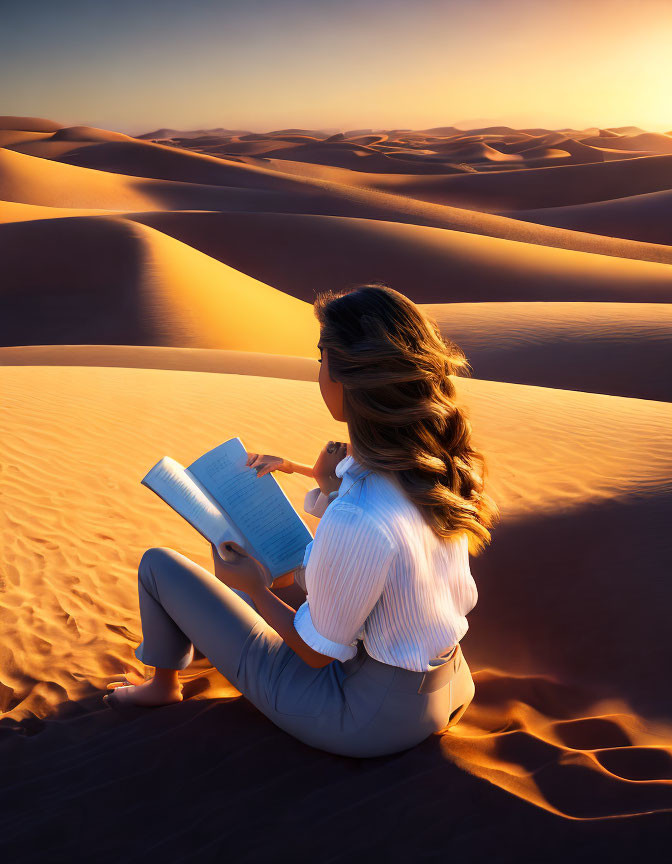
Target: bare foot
149 694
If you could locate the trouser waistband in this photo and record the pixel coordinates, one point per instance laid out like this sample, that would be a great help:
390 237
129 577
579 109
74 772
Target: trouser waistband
413 681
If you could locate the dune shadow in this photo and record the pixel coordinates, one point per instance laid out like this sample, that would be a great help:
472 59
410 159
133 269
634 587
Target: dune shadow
73 280
201 777
579 624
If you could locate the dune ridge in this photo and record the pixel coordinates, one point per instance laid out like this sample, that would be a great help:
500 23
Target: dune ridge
162 303
298 194
633 217
172 294
573 346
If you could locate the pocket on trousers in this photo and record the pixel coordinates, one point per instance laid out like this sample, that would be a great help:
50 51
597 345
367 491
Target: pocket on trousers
365 694
300 690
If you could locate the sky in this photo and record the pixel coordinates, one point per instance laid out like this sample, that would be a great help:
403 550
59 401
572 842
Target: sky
134 66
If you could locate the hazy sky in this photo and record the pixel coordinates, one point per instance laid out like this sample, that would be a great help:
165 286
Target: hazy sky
136 65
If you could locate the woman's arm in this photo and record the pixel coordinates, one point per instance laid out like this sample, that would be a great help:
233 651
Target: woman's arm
299 468
292 593
281 618
246 573
322 471
348 565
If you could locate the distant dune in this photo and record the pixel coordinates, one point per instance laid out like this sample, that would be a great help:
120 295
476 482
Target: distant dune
636 217
427 264
572 346
536 187
29 124
620 348
122 282
42 181
174 294
161 357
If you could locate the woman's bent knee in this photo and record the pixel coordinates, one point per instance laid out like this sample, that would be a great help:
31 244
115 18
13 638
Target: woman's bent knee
156 553
150 565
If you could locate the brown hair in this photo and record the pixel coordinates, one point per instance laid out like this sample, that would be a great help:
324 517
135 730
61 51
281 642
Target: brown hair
399 403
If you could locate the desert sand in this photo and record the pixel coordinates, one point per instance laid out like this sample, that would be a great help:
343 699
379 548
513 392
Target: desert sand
157 301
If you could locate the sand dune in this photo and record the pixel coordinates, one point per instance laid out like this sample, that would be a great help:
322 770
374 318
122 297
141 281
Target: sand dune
343 155
427 264
456 150
88 133
43 182
522 187
565 716
28 124
614 131
550 149
534 187
608 154
575 346
31 180
155 289
15 137
122 282
636 217
135 158
161 357
624 349
39 182
11 211
184 134
646 141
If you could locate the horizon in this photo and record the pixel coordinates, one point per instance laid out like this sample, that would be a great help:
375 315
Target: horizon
462 126
374 64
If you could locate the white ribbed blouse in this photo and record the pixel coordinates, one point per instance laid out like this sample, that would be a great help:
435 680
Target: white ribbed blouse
376 571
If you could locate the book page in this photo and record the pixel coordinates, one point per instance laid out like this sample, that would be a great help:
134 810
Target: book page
257 505
174 485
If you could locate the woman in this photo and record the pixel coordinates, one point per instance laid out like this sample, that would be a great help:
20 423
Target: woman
367 662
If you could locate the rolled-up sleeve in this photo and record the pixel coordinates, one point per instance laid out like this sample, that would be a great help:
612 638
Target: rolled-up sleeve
345 575
315 502
300 572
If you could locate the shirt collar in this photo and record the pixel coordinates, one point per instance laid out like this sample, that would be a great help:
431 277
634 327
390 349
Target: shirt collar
349 465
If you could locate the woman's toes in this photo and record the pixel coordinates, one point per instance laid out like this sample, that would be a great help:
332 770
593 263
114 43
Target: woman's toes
125 695
126 683
127 680
145 695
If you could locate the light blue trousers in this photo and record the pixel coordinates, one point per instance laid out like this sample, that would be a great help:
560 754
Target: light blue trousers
360 707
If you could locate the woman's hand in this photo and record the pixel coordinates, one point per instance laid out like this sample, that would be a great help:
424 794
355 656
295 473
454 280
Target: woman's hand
263 464
323 471
243 571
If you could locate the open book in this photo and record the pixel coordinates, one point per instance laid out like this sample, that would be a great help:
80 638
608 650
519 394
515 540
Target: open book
224 500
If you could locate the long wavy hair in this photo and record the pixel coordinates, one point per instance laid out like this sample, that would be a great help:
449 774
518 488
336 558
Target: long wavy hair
399 404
